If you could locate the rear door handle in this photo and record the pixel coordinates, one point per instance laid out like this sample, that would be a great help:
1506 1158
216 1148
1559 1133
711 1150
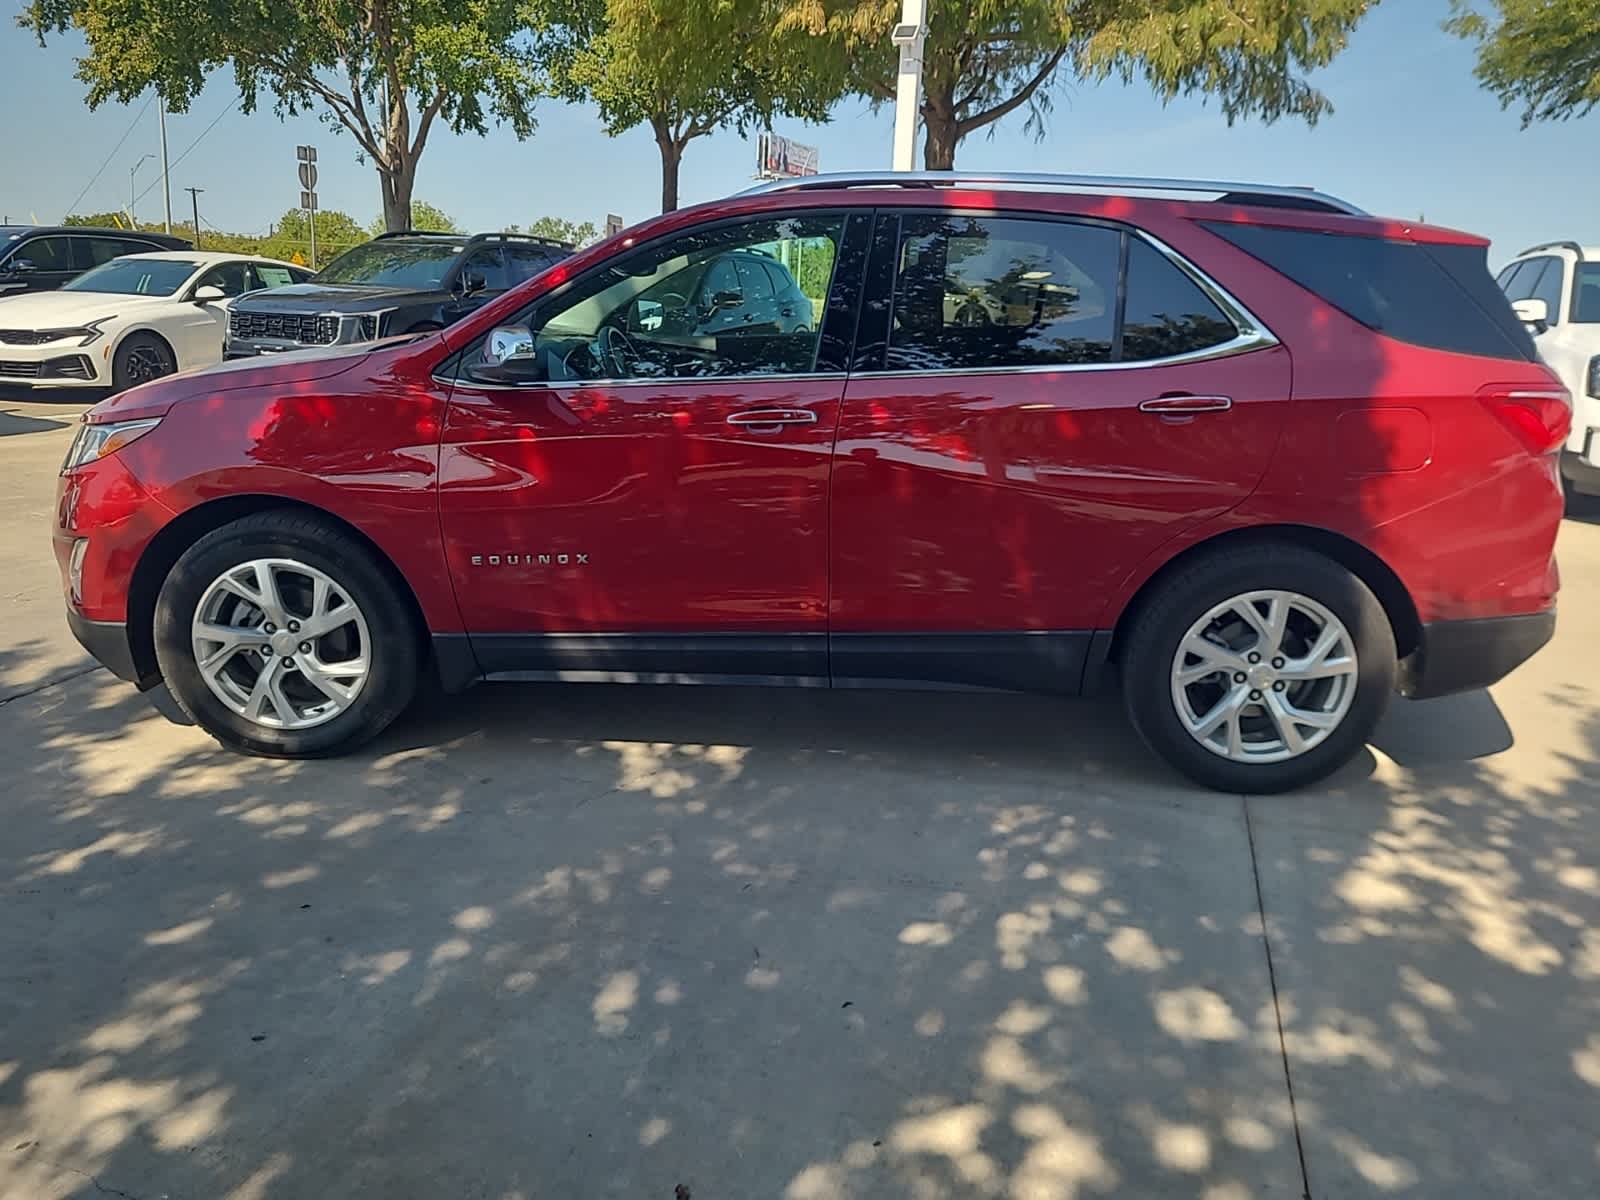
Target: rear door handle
1186 406
766 419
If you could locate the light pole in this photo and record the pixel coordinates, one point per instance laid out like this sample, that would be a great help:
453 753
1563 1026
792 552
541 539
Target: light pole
132 171
166 179
909 35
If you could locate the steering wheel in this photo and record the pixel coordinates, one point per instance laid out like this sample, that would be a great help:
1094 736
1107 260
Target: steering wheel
616 352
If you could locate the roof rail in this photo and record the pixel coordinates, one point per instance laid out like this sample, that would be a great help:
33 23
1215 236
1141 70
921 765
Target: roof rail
473 239
1573 246
1228 192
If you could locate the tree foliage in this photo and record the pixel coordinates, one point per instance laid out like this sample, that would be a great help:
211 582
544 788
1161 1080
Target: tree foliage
985 59
290 238
385 70
1543 55
578 233
687 68
425 217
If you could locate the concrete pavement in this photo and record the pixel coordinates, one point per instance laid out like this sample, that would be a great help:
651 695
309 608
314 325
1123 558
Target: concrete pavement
588 941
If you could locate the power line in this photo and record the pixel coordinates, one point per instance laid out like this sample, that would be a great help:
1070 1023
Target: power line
190 146
132 125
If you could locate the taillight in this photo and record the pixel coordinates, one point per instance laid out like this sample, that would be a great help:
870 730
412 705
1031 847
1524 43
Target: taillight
1540 418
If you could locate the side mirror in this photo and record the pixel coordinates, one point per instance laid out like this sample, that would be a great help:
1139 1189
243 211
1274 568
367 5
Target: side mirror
471 285
21 266
510 355
648 316
1533 312
209 294
727 299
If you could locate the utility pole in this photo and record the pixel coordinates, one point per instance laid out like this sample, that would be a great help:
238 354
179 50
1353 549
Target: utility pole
909 35
132 171
194 198
166 183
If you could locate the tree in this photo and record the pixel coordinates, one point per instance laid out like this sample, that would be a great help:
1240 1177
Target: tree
1541 54
290 238
385 70
685 68
985 59
425 218
578 233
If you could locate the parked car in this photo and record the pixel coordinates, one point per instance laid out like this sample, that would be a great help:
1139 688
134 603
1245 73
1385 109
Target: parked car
1268 456
1555 289
397 283
130 320
41 258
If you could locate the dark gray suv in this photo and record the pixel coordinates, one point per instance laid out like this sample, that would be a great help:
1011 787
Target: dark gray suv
40 258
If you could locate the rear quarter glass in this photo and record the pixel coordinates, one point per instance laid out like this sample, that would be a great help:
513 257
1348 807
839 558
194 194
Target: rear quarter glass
1438 296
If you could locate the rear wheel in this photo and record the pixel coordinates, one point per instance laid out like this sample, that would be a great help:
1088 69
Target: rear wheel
140 358
282 635
1259 669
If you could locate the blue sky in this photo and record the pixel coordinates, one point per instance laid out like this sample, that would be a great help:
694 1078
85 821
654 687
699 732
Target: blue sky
1411 134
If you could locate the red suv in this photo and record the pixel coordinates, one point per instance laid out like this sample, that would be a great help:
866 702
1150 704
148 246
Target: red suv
1267 456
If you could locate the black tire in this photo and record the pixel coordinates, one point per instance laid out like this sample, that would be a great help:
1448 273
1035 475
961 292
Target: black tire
1188 594
286 533
140 358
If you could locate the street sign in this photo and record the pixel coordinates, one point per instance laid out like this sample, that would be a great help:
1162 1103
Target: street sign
308 176
306 154
778 157
308 201
613 224
306 159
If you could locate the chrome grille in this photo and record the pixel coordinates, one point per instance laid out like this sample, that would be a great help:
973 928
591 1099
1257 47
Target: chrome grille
309 329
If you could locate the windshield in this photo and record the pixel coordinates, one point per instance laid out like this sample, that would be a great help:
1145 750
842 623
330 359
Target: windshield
135 277
421 265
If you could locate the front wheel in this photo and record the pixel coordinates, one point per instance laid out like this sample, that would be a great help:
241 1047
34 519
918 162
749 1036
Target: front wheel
1259 669
140 358
282 635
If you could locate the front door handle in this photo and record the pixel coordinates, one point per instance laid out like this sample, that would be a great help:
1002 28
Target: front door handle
768 420
1186 405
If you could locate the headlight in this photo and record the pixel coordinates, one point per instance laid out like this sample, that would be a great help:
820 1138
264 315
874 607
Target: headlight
94 442
1592 384
83 334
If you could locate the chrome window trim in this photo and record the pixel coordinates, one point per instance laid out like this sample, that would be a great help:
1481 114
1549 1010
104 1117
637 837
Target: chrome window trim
790 377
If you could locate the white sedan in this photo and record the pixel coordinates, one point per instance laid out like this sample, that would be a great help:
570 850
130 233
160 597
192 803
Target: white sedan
135 318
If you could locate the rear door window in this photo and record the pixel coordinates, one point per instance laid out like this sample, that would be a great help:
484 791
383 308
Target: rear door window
1586 294
524 261
269 275
977 293
103 250
1439 296
1166 313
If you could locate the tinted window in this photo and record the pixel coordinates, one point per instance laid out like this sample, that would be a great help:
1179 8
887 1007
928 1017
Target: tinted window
722 278
103 250
1437 296
47 254
135 277
1516 281
487 263
526 261
647 315
1586 294
1167 313
753 281
983 292
232 278
392 262
1548 287
782 282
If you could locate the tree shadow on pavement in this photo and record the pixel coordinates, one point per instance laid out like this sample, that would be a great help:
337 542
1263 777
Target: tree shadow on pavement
606 941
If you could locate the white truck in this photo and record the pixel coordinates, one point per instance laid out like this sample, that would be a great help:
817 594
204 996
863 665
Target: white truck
1555 290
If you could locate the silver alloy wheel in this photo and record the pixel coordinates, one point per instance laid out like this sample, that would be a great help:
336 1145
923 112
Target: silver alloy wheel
1264 677
281 643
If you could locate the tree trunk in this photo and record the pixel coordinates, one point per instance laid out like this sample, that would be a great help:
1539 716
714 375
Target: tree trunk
397 183
941 131
671 148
